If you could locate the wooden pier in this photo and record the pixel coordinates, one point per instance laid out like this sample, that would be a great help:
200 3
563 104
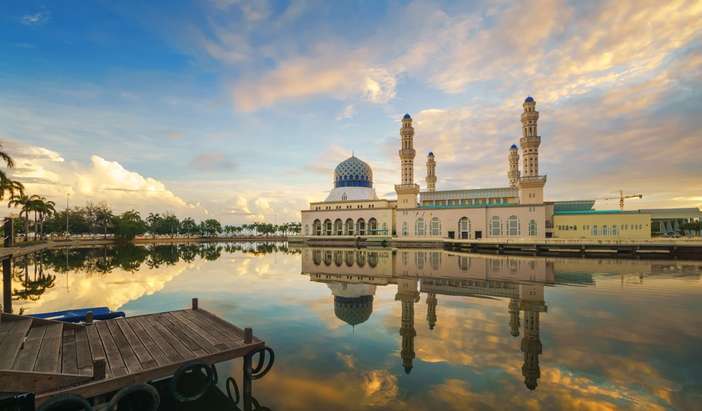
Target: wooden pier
48 357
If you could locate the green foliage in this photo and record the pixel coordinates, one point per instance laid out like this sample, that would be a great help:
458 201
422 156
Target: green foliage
128 225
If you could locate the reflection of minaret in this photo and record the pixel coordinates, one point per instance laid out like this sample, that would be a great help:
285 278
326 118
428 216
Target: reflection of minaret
514 317
532 303
407 293
431 310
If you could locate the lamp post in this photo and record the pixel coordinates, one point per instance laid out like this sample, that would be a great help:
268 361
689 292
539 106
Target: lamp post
67 233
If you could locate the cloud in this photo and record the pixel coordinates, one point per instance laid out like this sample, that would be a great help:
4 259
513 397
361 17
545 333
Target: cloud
45 172
212 162
37 19
346 113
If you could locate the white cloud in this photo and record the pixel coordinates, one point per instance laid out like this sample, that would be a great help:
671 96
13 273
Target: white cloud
36 19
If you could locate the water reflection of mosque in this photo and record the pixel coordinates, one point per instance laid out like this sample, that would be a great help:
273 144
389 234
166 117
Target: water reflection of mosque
353 275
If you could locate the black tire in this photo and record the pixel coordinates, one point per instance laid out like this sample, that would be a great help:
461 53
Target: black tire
189 374
66 402
136 397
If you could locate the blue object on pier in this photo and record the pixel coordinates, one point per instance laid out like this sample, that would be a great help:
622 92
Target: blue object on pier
78 315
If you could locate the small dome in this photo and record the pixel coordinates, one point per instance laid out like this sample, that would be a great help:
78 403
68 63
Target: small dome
355 310
529 99
431 154
407 117
353 172
513 147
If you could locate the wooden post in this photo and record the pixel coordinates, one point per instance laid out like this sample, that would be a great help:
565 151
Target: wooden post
99 366
7 285
248 335
195 303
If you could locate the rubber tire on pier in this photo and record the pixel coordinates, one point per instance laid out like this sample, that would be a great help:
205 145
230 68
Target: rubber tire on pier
138 397
64 401
259 371
187 371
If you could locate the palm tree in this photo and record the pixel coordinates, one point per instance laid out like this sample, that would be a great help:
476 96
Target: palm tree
45 208
6 184
25 203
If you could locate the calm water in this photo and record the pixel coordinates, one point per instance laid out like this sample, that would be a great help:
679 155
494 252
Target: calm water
415 329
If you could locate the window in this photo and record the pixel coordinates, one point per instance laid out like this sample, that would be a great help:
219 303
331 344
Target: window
405 231
513 225
327 227
464 228
615 230
594 230
361 226
435 226
419 227
420 260
338 227
317 227
435 259
495 226
372 226
532 228
463 263
349 227
605 230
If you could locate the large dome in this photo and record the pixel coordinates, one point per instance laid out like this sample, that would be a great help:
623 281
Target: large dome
353 172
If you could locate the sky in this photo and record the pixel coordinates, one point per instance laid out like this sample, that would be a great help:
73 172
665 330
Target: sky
240 110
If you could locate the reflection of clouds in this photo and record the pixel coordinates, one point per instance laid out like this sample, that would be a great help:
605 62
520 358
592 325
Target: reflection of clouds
114 289
379 387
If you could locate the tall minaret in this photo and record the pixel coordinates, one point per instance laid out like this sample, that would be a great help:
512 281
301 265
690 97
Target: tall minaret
531 184
431 172
513 166
513 309
431 310
407 293
407 191
532 302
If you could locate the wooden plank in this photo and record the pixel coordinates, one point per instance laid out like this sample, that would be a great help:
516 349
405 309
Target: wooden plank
10 345
227 336
168 350
95 388
203 333
69 358
28 354
184 334
151 346
130 359
49 356
232 333
221 337
97 351
150 321
84 360
38 382
112 354
143 356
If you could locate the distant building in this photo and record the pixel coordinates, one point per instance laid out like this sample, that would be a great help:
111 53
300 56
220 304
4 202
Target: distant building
517 210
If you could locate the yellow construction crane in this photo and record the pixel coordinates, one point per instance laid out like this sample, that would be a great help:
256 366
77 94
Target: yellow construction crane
621 198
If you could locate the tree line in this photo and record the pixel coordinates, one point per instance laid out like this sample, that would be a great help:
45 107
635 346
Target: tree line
40 217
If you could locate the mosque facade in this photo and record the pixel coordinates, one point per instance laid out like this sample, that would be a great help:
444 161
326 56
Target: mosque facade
517 209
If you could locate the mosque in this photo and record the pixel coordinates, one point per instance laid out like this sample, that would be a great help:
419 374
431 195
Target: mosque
353 208
517 210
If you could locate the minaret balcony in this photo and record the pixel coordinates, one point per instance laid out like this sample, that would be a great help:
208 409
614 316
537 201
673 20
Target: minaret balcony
530 141
407 153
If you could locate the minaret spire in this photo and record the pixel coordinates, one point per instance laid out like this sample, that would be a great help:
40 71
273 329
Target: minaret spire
431 172
513 166
531 184
407 191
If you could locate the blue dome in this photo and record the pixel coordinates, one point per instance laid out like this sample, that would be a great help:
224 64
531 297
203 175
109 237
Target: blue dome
529 99
514 147
407 117
353 172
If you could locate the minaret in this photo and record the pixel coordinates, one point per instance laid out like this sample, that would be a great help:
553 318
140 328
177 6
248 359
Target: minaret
431 172
407 191
431 310
513 168
514 317
531 184
407 293
532 302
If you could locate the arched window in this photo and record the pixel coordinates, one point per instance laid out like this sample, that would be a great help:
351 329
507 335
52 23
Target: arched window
349 258
317 257
338 258
420 260
360 258
327 227
317 227
372 259
435 226
532 228
605 230
327 257
463 263
372 226
495 226
513 225
464 228
338 227
405 230
361 226
349 227
419 227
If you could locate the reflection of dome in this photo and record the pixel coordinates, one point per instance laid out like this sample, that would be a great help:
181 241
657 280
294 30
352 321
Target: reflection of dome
353 303
513 147
353 172
353 181
529 99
